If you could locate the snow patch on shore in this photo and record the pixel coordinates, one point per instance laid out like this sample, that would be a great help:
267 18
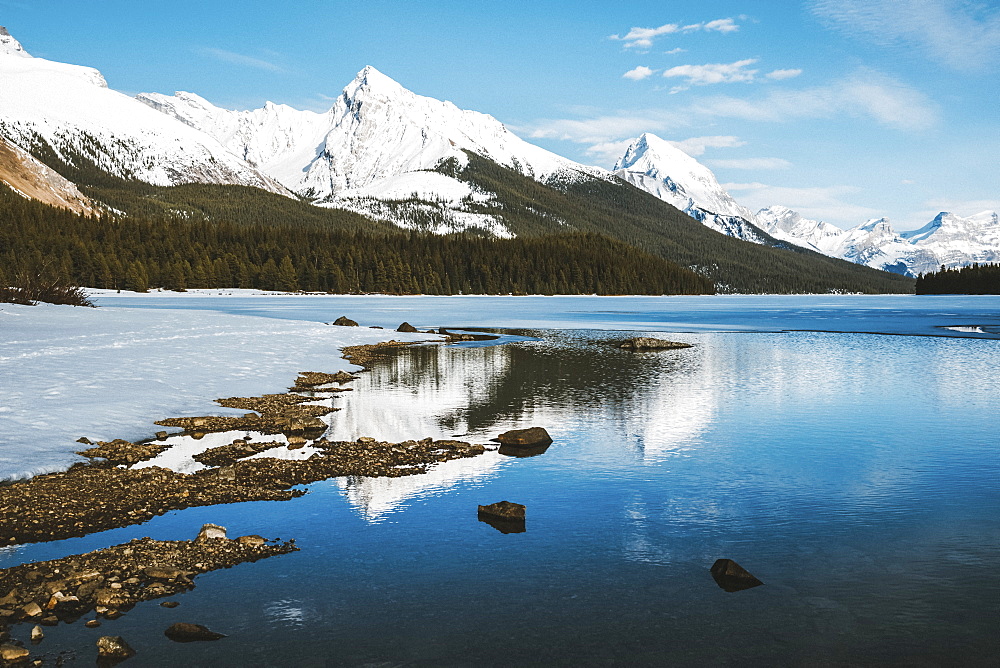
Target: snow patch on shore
109 373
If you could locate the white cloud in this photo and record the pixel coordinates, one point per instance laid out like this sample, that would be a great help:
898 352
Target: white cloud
639 73
609 127
960 34
866 94
240 59
696 146
751 163
780 75
674 52
822 203
607 153
642 38
713 73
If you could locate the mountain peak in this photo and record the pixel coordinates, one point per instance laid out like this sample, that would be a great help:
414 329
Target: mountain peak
10 46
371 80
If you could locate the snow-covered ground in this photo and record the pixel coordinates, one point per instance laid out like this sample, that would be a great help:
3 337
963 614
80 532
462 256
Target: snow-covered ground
106 373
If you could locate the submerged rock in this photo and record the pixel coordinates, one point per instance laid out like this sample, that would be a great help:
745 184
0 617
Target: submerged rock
534 436
523 450
649 343
730 576
407 328
344 321
114 647
185 632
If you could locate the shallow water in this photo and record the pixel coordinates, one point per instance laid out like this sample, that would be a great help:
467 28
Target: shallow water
856 475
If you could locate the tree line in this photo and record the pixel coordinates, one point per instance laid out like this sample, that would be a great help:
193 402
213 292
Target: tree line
177 252
975 279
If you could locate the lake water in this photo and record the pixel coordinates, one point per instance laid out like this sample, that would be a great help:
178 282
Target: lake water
857 475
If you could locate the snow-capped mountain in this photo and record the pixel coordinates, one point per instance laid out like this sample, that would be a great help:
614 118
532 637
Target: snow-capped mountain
947 240
71 108
378 143
660 168
33 179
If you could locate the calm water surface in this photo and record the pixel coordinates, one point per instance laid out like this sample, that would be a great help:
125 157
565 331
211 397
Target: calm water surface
855 474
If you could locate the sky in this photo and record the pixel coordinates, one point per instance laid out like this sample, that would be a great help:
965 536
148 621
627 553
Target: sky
843 110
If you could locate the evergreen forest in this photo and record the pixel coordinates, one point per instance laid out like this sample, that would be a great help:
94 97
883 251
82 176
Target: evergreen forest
179 252
976 279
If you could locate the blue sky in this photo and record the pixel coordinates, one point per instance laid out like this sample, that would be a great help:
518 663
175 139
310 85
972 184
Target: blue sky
840 109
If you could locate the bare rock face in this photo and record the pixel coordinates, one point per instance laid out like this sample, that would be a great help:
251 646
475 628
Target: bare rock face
649 343
114 647
532 437
211 531
407 327
186 632
344 321
730 576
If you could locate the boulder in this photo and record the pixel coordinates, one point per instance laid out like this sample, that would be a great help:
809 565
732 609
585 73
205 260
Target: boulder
504 516
504 510
649 343
114 647
534 436
13 654
210 532
252 539
185 632
344 321
408 328
523 450
731 577
37 634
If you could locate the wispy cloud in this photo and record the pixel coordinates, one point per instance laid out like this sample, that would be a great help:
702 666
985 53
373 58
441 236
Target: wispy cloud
822 203
674 52
713 73
241 59
639 73
960 34
756 164
780 75
695 146
866 94
642 38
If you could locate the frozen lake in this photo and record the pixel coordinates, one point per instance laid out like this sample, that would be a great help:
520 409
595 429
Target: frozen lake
857 475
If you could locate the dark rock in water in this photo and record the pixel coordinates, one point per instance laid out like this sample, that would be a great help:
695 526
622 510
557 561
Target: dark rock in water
408 328
84 440
344 321
648 343
533 436
92 623
114 647
504 516
730 576
505 510
185 632
523 450
170 604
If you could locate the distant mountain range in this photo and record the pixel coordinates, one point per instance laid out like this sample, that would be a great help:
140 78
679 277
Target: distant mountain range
396 157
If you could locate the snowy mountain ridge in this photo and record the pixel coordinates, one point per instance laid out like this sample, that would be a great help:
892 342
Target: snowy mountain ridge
661 169
379 143
656 166
71 108
948 240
